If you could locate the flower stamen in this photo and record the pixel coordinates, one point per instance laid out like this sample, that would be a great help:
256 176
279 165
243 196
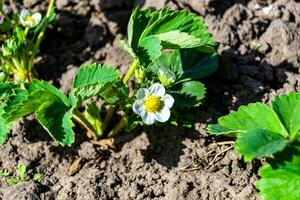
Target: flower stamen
153 103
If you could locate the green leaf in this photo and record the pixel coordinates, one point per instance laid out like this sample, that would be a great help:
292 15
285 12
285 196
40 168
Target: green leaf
50 89
149 49
126 48
281 179
13 181
197 65
56 118
4 174
189 93
187 64
177 39
52 107
287 108
37 177
258 143
174 25
151 31
28 101
115 93
194 89
12 45
217 129
4 127
133 122
253 116
22 171
139 20
92 80
6 90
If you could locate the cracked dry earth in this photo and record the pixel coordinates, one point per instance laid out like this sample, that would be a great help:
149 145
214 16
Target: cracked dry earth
156 163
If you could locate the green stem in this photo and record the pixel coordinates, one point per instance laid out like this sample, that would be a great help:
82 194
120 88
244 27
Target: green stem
41 34
83 122
118 128
131 70
111 110
108 117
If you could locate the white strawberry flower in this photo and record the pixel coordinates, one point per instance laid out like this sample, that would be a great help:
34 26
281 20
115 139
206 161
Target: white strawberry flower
30 20
153 104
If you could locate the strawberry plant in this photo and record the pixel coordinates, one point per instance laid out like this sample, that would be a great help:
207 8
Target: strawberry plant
21 37
271 132
171 51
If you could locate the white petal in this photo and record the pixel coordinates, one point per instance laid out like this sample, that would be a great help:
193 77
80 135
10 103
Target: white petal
157 89
163 115
138 107
148 118
24 13
142 93
168 100
37 18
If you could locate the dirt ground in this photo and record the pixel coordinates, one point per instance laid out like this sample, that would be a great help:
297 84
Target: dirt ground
156 163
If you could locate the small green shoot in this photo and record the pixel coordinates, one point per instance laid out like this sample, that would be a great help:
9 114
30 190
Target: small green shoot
4 173
20 175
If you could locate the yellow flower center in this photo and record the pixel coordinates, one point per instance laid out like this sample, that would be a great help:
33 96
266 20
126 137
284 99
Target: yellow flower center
30 18
153 103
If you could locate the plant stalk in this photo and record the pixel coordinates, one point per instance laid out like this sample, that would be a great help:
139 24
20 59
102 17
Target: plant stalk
128 75
131 70
83 122
41 34
108 117
118 128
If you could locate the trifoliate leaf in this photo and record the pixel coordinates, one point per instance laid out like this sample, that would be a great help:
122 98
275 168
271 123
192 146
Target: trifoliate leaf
28 101
93 79
253 116
151 31
175 25
56 118
287 108
258 143
281 179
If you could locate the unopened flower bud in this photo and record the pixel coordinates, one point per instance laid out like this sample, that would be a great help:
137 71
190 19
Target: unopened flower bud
166 77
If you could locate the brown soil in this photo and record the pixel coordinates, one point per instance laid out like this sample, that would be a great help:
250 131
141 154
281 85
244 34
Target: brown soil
156 163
